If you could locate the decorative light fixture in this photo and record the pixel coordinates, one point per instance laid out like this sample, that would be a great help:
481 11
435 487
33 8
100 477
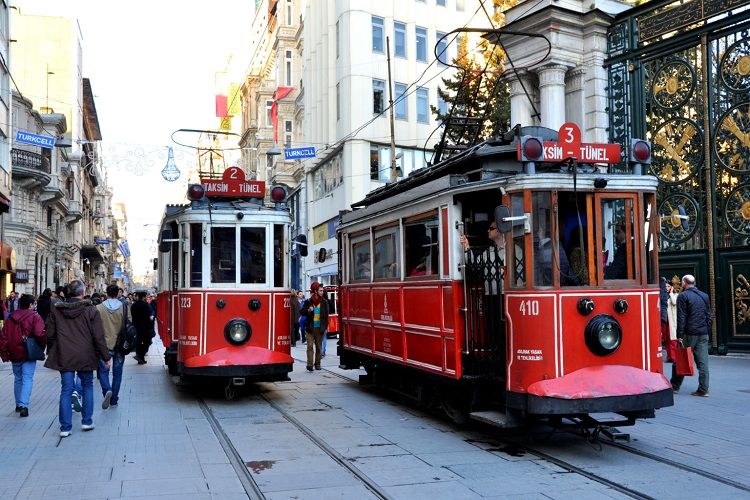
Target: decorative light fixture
170 172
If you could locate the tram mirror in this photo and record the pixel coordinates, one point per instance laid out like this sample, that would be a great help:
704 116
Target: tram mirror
301 241
165 244
502 214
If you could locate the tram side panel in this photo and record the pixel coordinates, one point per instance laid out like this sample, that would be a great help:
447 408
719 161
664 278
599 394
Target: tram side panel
406 323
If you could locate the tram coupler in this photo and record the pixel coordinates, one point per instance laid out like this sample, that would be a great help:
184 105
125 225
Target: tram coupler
614 434
607 429
238 381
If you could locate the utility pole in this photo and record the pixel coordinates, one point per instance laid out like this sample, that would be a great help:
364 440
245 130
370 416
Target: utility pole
390 103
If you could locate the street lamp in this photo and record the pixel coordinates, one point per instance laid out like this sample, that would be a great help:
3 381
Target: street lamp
271 153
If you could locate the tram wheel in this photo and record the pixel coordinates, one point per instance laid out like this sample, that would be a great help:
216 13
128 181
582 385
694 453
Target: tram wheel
229 391
455 410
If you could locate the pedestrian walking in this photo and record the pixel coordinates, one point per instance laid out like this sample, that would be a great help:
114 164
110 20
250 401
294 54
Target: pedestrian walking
693 327
11 304
112 312
24 322
44 304
294 326
316 313
140 312
75 338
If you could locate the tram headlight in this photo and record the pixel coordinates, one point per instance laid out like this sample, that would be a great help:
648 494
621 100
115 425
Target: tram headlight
237 331
603 335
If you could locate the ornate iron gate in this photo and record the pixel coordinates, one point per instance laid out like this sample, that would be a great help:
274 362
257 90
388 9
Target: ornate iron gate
679 75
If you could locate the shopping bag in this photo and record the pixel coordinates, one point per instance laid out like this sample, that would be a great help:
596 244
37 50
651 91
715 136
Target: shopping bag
683 361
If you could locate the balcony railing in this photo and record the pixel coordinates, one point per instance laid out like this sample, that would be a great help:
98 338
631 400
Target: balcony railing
28 159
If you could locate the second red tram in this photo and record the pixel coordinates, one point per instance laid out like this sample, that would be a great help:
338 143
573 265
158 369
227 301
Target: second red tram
552 312
224 301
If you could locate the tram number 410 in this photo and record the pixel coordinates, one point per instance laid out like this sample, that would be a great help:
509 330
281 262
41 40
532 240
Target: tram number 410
529 307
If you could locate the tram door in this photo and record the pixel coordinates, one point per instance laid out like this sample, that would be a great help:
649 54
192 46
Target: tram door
484 267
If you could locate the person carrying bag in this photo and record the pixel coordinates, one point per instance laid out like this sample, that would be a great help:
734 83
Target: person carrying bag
22 342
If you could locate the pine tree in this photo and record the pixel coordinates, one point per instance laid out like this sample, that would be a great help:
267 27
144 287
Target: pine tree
477 91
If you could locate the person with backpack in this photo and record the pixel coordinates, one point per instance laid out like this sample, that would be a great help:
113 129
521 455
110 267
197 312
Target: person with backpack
114 319
23 322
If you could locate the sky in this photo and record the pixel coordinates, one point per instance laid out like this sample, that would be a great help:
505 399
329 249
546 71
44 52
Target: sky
152 67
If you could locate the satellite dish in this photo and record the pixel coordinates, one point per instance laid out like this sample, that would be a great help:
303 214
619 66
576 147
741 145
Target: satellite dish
322 255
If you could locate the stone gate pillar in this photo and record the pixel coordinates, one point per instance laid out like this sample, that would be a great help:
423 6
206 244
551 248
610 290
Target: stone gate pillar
552 95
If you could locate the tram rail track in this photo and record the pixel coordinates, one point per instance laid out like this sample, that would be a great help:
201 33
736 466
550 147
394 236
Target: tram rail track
245 476
628 491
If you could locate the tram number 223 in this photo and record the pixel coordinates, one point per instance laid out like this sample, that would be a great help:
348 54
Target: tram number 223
185 302
529 307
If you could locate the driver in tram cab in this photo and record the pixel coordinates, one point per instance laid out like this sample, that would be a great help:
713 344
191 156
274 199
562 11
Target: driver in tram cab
543 258
618 268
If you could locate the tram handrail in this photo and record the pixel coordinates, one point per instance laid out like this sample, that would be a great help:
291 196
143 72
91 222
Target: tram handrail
460 227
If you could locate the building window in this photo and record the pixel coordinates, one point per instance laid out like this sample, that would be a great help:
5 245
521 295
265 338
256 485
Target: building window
378 96
289 13
422 105
49 216
338 37
442 105
377 34
442 49
399 35
288 68
440 3
338 102
421 44
400 102
269 120
288 134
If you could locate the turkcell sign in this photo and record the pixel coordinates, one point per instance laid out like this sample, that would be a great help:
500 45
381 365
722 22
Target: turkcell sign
44 141
299 153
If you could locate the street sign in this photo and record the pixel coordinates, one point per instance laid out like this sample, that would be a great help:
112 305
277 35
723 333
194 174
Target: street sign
102 241
44 141
299 153
234 185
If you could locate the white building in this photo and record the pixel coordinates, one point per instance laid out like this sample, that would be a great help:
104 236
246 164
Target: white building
345 82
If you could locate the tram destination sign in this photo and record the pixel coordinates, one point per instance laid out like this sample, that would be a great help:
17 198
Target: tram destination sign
588 153
233 185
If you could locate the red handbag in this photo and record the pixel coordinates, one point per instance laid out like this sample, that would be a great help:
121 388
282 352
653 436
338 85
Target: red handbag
683 361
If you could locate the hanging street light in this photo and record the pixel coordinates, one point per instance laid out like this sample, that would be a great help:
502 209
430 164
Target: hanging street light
170 172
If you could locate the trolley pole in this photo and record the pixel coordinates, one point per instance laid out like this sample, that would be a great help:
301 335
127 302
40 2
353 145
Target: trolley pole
390 103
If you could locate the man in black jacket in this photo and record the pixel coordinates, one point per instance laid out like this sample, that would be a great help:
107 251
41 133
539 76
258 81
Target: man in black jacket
693 327
142 319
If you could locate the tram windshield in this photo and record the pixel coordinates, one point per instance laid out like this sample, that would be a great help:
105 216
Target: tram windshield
252 255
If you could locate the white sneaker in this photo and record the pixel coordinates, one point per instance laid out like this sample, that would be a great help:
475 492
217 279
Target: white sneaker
107 397
87 427
64 434
76 402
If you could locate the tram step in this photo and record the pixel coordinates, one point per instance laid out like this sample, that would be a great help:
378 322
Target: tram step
496 419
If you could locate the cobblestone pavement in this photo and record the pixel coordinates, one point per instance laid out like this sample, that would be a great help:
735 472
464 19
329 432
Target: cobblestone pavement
158 443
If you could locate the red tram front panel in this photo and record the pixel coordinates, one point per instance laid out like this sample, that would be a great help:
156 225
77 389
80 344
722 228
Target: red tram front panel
190 327
546 337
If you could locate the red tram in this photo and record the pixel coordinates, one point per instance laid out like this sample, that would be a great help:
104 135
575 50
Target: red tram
557 318
224 301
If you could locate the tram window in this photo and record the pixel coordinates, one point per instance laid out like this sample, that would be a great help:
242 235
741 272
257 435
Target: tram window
616 215
223 258
518 269
386 253
361 260
196 255
543 254
422 246
252 255
278 255
573 234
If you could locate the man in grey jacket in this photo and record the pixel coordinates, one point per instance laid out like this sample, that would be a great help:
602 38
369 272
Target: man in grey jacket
75 341
112 313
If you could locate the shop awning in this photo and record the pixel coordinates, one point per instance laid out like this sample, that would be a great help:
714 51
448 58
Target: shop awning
7 258
93 253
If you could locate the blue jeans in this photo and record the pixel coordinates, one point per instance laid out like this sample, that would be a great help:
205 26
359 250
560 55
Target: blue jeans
699 343
66 392
23 371
324 342
118 360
